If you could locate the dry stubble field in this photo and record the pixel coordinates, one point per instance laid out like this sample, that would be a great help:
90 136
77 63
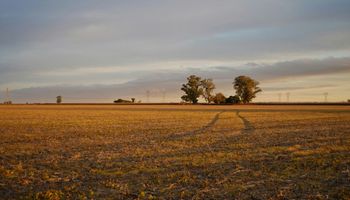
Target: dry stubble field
174 152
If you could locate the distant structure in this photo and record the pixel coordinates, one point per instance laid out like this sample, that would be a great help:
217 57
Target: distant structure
325 96
122 101
163 95
8 99
279 97
7 95
148 93
287 95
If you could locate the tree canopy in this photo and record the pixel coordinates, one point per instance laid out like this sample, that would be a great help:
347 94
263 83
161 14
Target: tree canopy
219 98
59 99
208 87
233 99
192 89
246 88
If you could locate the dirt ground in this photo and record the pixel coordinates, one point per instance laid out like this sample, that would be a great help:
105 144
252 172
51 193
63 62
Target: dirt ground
174 152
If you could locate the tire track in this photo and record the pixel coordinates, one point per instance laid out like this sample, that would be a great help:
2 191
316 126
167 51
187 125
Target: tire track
196 131
248 127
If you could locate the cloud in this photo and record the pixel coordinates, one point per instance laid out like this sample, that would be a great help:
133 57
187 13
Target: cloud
45 43
293 68
86 33
299 71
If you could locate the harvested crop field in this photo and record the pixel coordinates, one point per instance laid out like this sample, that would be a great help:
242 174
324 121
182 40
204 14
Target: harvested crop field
174 152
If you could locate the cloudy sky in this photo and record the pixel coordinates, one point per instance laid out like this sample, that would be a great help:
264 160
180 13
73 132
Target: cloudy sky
95 51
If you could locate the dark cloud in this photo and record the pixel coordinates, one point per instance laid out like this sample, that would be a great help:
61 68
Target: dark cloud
294 68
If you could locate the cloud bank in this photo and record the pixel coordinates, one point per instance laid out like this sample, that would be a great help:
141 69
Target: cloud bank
92 46
168 82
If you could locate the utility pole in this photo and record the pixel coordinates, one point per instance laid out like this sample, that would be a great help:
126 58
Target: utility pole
7 95
148 93
279 97
163 96
287 94
325 97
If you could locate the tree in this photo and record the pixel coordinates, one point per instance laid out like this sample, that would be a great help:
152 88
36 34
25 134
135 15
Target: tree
233 99
192 89
246 88
133 100
219 98
59 99
208 87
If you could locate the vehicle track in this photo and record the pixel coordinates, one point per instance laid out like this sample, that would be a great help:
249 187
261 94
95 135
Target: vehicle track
248 127
196 131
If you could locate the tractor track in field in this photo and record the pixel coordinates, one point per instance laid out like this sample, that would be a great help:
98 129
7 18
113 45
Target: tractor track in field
196 131
248 127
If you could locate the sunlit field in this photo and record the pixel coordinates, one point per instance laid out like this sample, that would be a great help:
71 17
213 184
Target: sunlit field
174 152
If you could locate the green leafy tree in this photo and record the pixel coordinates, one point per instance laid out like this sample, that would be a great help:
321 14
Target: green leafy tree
246 88
219 98
208 87
192 89
59 99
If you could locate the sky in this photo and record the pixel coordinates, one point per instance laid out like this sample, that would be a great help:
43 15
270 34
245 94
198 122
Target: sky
98 51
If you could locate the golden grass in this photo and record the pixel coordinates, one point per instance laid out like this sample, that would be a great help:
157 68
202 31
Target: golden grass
173 152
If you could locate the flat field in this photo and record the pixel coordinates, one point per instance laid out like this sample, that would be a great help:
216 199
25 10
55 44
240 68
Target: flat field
174 152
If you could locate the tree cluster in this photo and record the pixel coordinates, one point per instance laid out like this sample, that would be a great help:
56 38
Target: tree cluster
245 87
